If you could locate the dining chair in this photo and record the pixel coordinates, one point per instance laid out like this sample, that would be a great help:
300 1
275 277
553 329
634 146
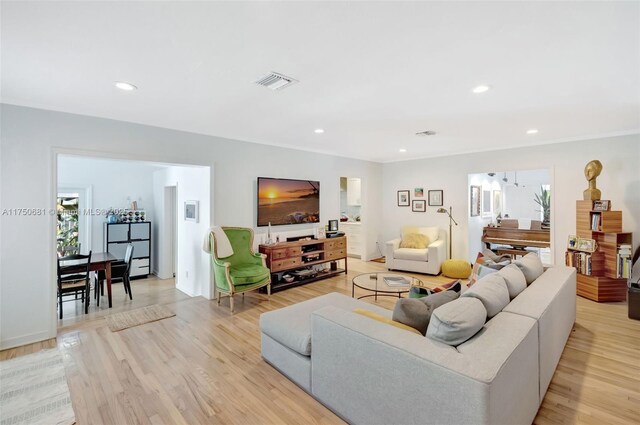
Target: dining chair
120 271
73 277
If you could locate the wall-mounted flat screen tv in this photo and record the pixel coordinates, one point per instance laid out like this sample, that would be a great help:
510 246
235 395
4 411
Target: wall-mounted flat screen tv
286 201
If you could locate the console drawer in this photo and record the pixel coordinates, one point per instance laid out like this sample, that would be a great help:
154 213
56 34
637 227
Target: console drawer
340 243
278 254
337 253
284 264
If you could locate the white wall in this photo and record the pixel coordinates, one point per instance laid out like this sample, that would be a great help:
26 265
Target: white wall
30 140
477 223
192 267
111 183
619 182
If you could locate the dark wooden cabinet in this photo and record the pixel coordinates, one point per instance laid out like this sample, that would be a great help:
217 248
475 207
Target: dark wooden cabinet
297 258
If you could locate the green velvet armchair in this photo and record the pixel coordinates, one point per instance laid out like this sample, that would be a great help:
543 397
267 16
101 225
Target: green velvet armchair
242 271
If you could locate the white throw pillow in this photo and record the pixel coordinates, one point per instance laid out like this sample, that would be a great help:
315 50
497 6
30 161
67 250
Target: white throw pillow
531 266
514 278
492 291
455 322
429 232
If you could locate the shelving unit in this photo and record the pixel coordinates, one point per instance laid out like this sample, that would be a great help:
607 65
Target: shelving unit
118 235
599 282
289 257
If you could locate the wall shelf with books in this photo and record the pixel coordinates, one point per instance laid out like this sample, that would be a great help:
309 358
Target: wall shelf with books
599 251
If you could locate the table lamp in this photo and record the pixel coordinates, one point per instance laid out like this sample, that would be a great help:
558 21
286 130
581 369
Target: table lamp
451 221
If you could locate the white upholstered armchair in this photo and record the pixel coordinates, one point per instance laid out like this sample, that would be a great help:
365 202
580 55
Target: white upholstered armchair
421 260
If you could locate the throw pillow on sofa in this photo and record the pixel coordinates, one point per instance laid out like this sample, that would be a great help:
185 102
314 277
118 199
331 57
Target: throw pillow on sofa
531 266
416 312
457 321
495 257
514 278
492 291
415 241
484 266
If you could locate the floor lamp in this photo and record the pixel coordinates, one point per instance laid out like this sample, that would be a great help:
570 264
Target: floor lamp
451 221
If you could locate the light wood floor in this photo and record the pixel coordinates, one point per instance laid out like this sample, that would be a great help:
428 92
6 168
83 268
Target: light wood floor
145 292
204 365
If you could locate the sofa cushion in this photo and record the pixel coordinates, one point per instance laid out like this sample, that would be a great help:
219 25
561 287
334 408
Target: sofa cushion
380 318
411 254
415 241
455 322
492 291
291 325
514 278
416 312
531 266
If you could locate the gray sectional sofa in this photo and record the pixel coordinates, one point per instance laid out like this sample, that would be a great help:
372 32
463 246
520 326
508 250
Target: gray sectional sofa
368 372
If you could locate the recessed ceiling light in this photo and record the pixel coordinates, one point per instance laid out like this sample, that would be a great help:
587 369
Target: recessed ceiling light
532 131
125 86
403 150
318 131
481 88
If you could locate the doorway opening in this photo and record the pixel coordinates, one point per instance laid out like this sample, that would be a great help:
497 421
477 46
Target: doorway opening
351 215
510 213
106 205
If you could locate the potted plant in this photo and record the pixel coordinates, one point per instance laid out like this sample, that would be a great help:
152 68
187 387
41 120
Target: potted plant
544 200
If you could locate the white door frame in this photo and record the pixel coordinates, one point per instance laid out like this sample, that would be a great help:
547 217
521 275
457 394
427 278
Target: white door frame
53 198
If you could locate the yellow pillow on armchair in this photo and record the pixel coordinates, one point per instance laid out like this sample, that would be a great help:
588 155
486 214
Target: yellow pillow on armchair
415 241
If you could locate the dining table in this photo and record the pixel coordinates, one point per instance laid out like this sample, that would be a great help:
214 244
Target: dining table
99 261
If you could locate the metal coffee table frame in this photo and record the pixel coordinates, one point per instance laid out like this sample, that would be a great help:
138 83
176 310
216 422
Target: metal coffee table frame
382 292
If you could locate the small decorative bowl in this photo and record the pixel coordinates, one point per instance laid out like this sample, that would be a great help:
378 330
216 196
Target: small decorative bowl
287 278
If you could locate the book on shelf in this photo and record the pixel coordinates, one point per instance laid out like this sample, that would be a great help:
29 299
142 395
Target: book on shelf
595 222
580 260
396 281
623 261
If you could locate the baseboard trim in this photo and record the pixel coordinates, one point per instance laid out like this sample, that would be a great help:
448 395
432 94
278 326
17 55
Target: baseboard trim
19 341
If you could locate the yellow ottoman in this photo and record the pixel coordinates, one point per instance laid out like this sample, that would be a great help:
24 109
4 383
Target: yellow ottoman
457 269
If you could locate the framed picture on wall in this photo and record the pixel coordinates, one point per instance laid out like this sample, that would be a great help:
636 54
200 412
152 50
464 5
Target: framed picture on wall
403 198
419 205
191 211
435 198
418 192
497 202
486 203
474 200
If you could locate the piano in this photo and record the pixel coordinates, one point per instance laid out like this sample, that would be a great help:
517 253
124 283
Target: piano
517 238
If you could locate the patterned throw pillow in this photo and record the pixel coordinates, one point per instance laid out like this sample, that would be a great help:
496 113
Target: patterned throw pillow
415 241
485 266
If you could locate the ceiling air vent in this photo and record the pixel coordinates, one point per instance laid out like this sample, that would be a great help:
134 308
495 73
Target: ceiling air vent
275 81
426 133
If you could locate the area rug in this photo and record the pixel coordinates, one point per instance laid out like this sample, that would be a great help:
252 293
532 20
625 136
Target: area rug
129 319
379 260
34 390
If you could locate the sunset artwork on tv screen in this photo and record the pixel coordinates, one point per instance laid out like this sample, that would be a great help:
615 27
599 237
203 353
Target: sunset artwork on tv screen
284 201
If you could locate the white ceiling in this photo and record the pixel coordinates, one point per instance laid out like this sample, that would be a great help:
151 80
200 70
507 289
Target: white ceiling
371 74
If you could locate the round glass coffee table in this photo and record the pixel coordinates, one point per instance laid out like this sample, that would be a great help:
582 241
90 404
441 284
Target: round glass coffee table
383 284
